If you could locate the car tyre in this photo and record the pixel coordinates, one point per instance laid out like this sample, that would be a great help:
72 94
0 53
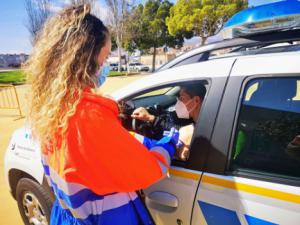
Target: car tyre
34 202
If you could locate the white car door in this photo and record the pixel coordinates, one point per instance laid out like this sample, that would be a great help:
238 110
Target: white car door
170 201
258 180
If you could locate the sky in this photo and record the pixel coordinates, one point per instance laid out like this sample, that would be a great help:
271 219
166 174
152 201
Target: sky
14 37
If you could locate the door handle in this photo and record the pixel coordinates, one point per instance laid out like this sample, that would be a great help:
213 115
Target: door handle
162 198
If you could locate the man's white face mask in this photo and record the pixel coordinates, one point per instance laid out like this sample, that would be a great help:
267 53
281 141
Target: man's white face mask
181 109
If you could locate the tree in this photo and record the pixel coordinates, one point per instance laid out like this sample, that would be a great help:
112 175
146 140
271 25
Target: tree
146 28
132 25
119 10
37 12
203 17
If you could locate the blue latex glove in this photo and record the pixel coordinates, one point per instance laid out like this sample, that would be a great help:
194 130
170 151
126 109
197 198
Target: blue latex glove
179 143
169 141
171 137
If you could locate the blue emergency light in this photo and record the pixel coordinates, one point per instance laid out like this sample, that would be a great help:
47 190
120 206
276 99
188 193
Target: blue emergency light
278 16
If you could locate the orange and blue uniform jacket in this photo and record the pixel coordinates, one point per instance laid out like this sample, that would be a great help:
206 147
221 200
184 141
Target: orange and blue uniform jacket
95 178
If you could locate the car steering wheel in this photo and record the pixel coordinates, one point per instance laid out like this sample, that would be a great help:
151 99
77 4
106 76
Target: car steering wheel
133 124
139 125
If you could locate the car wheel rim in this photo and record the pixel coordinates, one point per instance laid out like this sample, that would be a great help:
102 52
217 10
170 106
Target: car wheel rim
33 209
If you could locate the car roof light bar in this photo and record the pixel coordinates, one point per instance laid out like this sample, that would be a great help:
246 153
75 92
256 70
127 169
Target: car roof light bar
278 16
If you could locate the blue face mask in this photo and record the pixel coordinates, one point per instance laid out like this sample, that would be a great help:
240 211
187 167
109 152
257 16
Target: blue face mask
103 74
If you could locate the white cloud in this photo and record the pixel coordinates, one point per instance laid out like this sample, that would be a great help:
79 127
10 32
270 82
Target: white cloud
54 8
100 11
66 2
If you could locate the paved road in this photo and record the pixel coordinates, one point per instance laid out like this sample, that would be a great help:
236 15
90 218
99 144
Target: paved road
9 214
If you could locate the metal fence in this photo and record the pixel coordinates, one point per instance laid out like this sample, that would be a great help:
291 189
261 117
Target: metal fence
9 98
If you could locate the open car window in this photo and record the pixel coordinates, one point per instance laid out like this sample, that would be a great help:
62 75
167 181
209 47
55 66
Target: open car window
161 102
161 91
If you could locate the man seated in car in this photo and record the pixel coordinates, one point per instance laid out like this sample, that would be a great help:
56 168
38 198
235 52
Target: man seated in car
185 115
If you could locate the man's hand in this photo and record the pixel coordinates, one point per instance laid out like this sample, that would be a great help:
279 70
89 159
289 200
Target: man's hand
142 114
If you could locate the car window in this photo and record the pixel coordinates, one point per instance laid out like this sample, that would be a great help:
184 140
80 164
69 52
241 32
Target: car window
267 138
156 92
190 60
160 103
173 63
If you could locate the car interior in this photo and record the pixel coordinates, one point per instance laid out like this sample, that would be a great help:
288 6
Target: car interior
157 101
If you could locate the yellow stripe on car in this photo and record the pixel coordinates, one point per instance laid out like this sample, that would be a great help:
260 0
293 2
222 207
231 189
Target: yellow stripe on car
280 195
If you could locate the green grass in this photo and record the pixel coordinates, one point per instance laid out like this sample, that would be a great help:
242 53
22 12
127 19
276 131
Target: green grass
116 73
18 77
12 77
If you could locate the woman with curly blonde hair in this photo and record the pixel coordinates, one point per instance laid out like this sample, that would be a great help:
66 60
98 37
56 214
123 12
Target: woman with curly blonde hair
92 163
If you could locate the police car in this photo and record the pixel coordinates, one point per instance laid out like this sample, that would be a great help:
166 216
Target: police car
244 161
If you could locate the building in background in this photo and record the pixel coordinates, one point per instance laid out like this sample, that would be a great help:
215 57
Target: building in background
12 60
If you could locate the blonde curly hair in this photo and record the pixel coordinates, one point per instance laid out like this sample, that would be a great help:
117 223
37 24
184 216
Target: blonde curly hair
63 63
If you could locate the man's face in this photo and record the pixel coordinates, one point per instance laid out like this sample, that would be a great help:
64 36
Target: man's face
191 103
